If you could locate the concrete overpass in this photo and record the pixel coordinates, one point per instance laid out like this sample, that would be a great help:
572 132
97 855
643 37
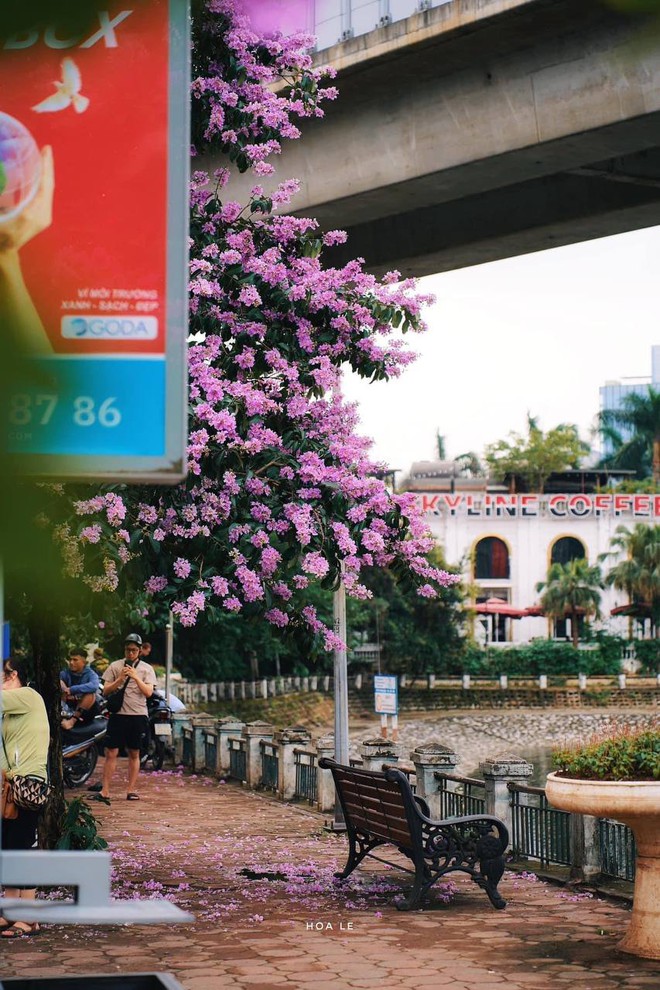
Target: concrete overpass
483 129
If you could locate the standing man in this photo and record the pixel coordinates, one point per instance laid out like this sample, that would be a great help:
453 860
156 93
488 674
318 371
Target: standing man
126 728
145 650
79 684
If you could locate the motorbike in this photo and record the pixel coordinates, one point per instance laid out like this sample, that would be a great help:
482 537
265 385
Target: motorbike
158 741
80 750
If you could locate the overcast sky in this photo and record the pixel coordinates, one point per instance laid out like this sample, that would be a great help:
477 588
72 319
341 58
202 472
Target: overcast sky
538 333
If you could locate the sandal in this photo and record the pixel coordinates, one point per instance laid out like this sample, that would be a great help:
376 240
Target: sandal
15 931
132 796
100 797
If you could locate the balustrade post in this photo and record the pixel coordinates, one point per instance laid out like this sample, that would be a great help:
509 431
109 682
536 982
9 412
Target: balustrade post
497 773
585 847
430 681
325 785
179 721
313 683
430 759
253 733
231 691
504 682
294 737
465 682
228 726
376 751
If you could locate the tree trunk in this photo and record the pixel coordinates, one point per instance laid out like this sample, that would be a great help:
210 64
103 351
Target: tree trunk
44 626
575 630
656 461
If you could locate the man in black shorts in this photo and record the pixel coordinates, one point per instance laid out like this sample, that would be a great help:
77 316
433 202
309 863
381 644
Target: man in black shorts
125 729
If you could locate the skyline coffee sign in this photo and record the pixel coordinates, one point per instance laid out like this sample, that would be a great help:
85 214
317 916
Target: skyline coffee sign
560 506
94 151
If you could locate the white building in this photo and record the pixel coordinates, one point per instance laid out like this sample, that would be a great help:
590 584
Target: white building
505 542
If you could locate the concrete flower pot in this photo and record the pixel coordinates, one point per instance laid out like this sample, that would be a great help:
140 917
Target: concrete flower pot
637 804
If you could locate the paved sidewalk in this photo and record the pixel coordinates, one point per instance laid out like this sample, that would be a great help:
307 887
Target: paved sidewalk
258 876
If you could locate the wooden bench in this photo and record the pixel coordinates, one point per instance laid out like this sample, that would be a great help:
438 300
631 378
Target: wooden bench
381 809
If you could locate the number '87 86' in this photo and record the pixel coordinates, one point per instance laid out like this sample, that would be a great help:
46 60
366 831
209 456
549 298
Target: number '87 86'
38 410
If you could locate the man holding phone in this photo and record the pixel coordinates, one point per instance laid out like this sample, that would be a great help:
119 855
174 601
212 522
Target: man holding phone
126 728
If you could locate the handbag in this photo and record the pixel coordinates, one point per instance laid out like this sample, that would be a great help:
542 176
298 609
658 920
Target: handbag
9 809
25 790
115 700
30 793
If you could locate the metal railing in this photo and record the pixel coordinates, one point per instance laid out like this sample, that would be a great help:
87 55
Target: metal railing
410 774
539 831
269 765
463 798
617 849
306 770
188 747
210 750
237 758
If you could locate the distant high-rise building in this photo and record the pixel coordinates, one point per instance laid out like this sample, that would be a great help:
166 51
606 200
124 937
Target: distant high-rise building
612 394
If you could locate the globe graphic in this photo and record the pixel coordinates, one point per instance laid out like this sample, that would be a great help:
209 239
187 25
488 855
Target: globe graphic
20 167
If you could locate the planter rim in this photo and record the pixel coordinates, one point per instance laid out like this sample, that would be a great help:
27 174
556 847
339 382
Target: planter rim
554 776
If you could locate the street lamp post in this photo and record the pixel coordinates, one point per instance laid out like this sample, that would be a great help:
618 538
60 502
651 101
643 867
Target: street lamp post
341 691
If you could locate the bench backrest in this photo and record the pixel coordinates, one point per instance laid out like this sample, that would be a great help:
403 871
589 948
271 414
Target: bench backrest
375 805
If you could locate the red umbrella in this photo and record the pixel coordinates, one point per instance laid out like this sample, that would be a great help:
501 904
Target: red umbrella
496 606
641 610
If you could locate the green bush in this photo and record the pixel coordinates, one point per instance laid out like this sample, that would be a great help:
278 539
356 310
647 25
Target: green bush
623 756
79 828
647 652
541 656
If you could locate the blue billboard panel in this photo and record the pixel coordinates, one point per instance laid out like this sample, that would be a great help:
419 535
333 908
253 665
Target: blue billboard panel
95 407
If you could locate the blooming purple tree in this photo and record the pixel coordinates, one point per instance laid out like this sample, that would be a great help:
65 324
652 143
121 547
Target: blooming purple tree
280 491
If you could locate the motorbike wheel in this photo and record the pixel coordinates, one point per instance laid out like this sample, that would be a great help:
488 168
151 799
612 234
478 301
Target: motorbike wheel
79 769
154 756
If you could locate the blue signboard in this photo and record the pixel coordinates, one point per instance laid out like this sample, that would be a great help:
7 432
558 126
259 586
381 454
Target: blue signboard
6 640
386 694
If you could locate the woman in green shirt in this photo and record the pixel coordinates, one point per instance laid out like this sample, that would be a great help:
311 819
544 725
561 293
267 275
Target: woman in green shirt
24 750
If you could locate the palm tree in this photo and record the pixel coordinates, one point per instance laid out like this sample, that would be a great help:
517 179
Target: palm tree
640 416
571 590
638 575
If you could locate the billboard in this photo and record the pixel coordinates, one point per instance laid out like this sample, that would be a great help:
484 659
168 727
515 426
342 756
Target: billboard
94 150
386 694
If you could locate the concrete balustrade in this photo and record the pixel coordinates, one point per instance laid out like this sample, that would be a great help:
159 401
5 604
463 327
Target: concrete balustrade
202 742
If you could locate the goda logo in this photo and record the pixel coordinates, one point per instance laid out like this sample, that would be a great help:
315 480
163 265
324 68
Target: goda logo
109 327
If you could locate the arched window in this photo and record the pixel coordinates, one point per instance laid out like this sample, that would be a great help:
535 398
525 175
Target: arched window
567 548
491 558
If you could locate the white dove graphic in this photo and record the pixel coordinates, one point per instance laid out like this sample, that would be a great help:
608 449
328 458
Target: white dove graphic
68 91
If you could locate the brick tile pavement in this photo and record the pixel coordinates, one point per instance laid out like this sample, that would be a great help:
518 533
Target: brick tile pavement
285 924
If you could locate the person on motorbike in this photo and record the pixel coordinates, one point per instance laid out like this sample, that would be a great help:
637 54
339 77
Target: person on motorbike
79 684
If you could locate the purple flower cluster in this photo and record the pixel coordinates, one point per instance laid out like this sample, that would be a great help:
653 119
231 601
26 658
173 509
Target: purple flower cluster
280 488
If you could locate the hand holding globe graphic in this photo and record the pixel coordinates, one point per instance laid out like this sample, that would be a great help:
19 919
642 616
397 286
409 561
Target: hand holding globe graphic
27 184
